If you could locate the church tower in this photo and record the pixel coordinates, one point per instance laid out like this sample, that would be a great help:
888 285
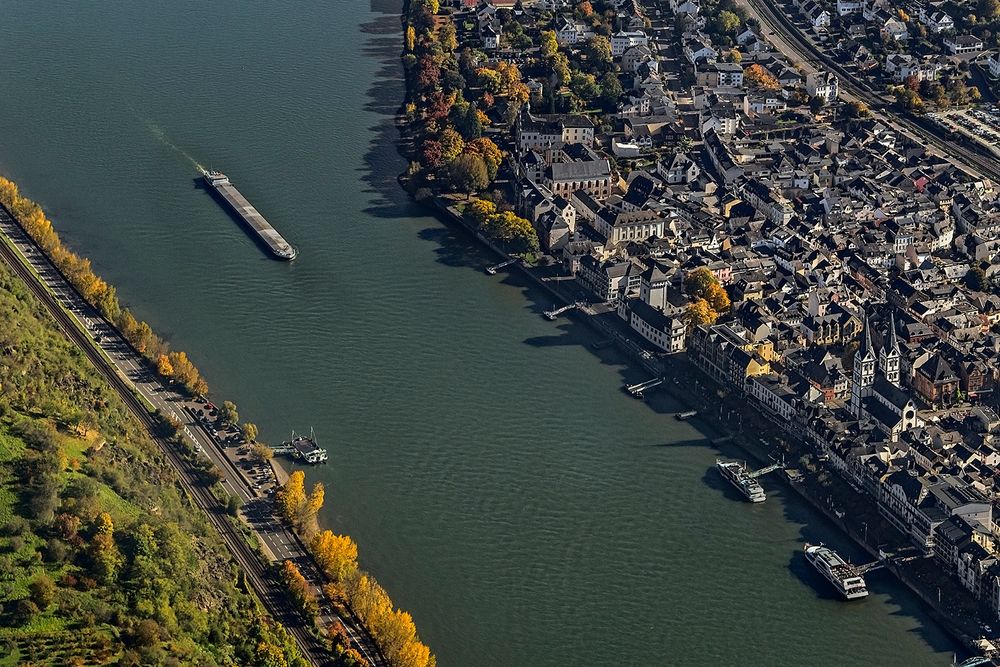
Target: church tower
888 356
864 370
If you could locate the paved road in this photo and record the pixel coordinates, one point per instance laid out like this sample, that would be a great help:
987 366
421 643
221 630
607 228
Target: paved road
128 371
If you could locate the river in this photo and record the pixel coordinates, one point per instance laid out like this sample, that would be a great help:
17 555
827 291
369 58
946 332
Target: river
498 483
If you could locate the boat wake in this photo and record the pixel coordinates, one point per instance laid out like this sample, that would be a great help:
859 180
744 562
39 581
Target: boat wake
161 136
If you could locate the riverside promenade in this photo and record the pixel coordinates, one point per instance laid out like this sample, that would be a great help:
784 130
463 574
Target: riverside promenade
705 396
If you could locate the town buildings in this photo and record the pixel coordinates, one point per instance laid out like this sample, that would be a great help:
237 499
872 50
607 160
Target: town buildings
861 267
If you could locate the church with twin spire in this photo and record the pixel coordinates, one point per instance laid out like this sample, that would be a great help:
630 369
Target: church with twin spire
876 394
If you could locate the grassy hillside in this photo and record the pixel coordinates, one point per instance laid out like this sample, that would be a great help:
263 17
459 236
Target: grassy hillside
102 561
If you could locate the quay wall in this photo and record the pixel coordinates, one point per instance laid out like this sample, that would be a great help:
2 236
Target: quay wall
679 365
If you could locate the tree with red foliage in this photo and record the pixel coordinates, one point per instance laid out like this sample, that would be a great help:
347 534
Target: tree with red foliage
438 105
432 154
428 74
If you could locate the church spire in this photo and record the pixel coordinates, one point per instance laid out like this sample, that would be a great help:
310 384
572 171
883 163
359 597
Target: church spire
867 350
893 344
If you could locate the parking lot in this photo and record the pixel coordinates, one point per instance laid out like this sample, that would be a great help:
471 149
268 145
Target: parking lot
981 125
230 439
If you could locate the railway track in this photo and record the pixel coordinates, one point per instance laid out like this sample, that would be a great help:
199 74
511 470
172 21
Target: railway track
854 89
257 576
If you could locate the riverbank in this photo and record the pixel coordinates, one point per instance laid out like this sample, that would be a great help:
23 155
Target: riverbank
173 405
706 398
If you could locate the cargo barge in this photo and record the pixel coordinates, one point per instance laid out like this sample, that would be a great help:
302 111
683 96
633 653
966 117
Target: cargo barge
267 234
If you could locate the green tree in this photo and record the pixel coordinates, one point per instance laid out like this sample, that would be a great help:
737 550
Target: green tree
724 23
250 432
598 49
611 90
585 86
465 116
43 591
697 282
468 173
550 45
229 413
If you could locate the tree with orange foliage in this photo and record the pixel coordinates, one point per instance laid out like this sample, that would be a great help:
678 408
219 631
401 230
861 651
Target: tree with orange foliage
756 76
299 589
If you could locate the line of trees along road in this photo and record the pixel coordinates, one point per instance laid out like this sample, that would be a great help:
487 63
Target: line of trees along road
337 557
101 551
173 365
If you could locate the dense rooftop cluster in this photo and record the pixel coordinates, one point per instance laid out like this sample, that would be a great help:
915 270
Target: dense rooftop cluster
804 253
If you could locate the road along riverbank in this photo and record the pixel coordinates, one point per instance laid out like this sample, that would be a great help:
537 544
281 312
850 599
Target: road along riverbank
155 400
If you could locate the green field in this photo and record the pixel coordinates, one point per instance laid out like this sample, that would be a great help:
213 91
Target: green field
102 559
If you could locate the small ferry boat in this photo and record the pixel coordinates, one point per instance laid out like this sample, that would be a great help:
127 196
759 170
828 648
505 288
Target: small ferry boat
844 576
687 414
738 475
305 448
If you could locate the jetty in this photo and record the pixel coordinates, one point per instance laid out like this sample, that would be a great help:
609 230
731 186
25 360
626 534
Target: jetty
763 471
637 390
492 270
252 218
553 314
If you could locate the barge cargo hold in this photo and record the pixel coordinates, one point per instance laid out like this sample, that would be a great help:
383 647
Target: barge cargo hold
268 235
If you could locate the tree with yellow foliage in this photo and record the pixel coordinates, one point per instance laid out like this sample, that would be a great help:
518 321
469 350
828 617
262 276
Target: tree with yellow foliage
549 44
312 505
293 496
105 558
337 555
393 629
699 312
452 144
481 210
510 75
164 367
717 298
411 38
447 37
485 148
